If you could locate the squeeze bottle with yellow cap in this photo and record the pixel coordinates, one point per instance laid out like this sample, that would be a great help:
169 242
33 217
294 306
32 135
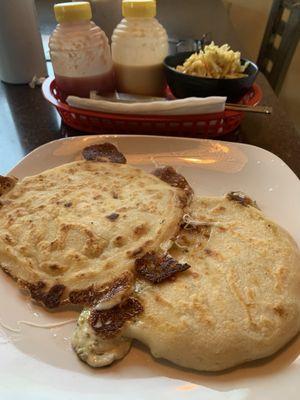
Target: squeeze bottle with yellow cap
80 52
139 46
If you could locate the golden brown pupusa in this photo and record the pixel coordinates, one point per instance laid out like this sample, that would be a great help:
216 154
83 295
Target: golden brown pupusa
239 300
68 232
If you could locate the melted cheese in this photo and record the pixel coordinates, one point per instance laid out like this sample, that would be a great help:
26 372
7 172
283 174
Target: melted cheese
35 325
94 350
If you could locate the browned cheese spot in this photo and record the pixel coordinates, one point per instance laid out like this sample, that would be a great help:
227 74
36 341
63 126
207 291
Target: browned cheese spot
119 241
84 296
108 323
211 253
103 152
93 295
7 183
140 230
170 176
8 239
280 311
6 270
108 265
54 267
50 299
112 216
242 199
156 268
219 210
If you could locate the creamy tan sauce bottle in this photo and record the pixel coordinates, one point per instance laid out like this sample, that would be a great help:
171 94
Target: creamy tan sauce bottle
139 46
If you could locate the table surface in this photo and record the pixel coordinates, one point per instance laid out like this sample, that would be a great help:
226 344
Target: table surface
28 121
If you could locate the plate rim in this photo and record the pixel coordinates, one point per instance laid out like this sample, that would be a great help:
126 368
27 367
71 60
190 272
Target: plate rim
180 138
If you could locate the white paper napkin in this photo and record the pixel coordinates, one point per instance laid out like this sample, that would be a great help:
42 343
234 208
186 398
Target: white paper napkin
187 106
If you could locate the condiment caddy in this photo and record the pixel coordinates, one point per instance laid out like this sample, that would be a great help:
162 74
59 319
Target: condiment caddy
83 62
201 125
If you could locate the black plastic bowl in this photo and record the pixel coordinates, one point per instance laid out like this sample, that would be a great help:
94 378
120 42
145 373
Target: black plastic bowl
184 85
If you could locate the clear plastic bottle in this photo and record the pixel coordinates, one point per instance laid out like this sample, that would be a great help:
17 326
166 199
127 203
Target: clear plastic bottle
80 52
139 46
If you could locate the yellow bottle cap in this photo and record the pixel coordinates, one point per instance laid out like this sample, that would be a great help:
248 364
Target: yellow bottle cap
138 8
73 12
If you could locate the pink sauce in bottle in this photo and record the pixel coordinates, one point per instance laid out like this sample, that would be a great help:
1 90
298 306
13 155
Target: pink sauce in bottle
103 84
80 52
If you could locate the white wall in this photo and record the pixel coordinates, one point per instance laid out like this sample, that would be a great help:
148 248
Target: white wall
249 19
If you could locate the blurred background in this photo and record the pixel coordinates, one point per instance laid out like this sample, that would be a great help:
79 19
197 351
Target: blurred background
249 19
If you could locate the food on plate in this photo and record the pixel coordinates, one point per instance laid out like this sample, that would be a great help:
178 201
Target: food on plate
71 232
238 299
214 62
207 283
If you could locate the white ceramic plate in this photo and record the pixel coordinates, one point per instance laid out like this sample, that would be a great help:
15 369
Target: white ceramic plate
37 363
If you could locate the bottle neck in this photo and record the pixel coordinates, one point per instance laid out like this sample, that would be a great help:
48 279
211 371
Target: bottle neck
75 23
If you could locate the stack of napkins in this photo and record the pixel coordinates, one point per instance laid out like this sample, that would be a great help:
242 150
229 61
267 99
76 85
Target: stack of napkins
141 105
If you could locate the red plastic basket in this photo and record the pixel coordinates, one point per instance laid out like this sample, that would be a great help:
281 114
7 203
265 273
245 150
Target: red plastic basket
203 125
